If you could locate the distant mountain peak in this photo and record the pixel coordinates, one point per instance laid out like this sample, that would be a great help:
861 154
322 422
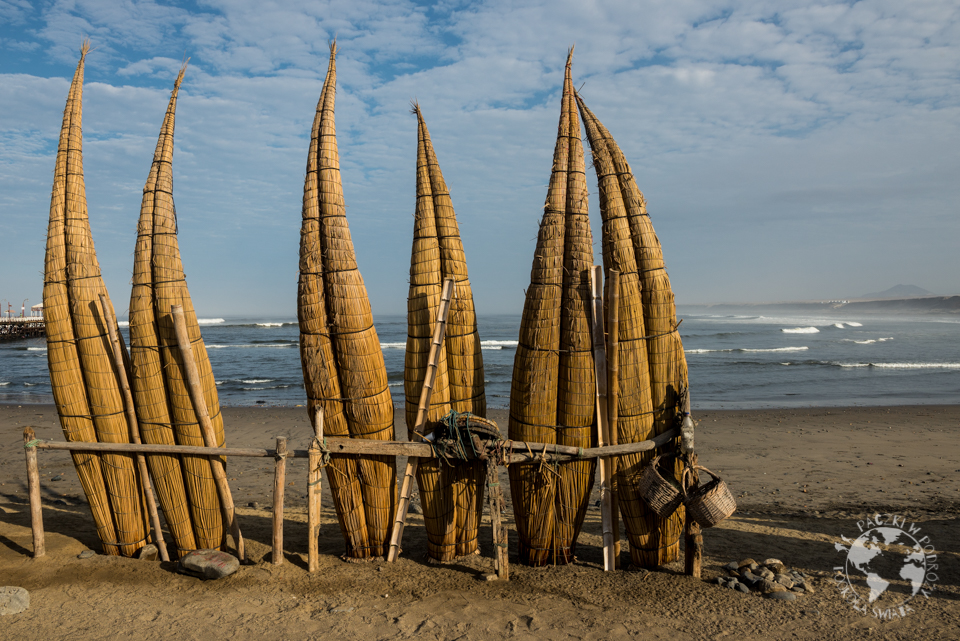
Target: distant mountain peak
900 291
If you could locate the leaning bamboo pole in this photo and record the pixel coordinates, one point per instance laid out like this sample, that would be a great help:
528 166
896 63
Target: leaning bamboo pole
649 545
339 348
88 364
63 361
148 380
552 395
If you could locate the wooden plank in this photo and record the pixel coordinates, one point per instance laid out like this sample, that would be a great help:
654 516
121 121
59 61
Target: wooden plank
116 344
314 483
279 481
192 377
33 487
612 305
429 379
603 431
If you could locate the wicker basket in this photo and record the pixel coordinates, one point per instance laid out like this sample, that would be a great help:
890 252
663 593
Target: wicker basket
662 495
709 503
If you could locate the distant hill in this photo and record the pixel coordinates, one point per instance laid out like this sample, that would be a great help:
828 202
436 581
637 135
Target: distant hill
899 291
914 305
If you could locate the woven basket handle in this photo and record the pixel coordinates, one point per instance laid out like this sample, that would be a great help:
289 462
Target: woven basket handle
687 471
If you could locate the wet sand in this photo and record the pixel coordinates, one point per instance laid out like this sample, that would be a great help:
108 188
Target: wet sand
802 477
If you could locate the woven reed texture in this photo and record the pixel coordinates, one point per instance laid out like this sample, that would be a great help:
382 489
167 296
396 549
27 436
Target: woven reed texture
552 395
339 348
82 372
451 495
653 541
665 355
63 362
148 380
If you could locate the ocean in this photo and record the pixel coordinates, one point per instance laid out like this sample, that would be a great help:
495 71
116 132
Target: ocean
735 361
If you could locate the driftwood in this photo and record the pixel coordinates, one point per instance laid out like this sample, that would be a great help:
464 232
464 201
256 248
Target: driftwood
206 426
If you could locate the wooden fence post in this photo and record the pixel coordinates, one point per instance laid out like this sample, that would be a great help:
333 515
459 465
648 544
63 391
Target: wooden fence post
33 485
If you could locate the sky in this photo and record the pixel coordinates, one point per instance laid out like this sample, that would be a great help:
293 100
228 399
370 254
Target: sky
787 150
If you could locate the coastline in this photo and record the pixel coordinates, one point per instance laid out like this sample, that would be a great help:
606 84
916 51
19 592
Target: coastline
802 478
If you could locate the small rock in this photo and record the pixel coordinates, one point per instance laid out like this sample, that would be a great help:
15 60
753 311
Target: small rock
767 574
13 600
254 505
797 589
87 554
733 565
754 567
60 502
782 596
58 477
490 577
777 568
750 579
807 587
770 562
746 562
742 588
721 580
209 564
733 583
415 508
784 580
766 587
149 552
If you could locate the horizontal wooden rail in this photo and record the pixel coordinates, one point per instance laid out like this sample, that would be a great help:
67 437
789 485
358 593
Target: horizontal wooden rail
515 451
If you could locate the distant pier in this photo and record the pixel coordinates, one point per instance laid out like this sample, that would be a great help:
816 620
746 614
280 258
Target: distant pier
14 329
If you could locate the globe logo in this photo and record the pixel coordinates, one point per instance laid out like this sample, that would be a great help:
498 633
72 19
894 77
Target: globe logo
886 566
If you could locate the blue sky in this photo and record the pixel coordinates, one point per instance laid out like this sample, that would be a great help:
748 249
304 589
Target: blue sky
787 150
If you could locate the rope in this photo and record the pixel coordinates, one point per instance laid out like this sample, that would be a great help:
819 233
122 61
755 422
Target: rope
35 442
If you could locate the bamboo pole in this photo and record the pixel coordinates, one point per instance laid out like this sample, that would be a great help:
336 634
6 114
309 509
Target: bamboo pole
603 429
314 484
119 360
612 305
33 485
279 480
428 380
203 417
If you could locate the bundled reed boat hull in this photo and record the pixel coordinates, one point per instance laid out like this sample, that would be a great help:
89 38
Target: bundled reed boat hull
653 368
82 369
343 366
185 486
552 398
451 495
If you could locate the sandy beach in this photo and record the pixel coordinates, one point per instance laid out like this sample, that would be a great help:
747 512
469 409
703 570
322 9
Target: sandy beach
802 477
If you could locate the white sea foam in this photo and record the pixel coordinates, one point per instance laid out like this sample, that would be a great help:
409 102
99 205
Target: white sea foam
210 321
395 384
269 324
4 383
746 349
869 341
254 381
393 345
853 324
903 365
30 384
123 323
219 382
487 344
249 346
36 349
838 325
801 330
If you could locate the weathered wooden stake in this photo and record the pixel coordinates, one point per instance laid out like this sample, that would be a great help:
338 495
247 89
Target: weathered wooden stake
33 486
693 538
501 557
613 397
279 481
429 378
603 431
119 351
314 483
192 377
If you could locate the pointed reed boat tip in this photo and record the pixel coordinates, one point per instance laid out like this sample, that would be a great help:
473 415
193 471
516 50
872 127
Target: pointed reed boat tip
570 55
415 107
333 48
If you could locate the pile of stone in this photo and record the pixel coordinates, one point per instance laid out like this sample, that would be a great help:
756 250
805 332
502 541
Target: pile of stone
771 579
